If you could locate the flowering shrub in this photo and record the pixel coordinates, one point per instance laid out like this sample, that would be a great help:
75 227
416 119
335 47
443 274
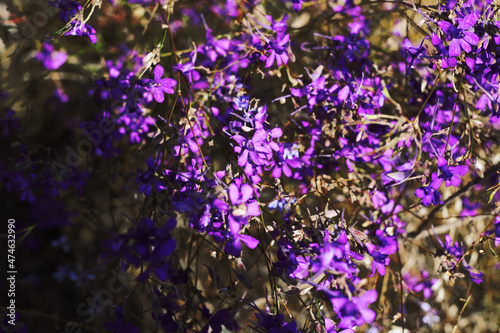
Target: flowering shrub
269 166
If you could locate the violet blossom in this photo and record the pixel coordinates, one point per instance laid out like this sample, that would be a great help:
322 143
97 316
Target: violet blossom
50 58
161 86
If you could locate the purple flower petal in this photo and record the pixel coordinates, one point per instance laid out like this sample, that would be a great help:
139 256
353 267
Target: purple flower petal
445 26
234 194
246 192
343 93
249 241
270 59
159 95
253 209
284 40
471 38
158 72
464 45
454 50
243 159
467 22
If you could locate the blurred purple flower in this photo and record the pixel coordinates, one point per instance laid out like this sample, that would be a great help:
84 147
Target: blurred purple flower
68 8
273 323
50 58
119 325
418 284
475 275
352 311
219 321
278 27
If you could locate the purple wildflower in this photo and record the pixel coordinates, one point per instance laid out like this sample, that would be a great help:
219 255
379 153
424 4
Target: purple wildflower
188 70
68 8
423 283
475 275
50 58
450 174
287 158
278 51
461 38
233 245
430 194
413 51
241 206
79 28
380 257
161 86
354 311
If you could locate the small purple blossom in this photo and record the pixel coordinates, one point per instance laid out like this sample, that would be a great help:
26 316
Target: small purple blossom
277 51
161 86
50 58
420 283
188 70
380 257
242 206
462 39
451 174
352 311
79 28
430 194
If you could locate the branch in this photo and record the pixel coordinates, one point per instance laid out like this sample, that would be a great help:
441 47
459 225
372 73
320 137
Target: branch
423 225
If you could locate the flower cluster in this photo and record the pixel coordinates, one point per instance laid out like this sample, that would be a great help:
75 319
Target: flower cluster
263 167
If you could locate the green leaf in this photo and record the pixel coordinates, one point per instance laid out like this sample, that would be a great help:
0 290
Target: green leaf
491 249
493 193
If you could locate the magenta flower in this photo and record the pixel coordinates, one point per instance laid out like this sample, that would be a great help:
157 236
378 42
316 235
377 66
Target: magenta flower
286 159
255 148
425 285
188 70
242 208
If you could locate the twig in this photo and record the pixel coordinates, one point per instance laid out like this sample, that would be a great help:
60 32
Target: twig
402 291
421 227
461 312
